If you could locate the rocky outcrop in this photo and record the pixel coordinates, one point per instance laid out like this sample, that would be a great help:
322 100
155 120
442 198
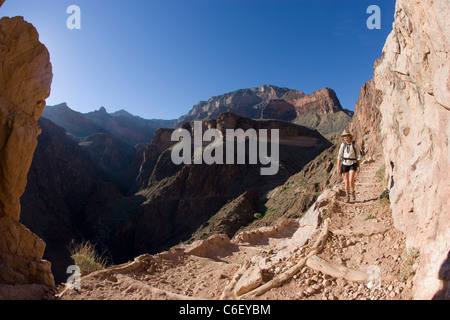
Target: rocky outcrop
365 125
329 124
411 88
321 102
149 154
278 109
25 78
243 102
320 110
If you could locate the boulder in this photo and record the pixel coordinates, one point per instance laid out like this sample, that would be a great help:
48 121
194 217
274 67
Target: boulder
251 279
213 246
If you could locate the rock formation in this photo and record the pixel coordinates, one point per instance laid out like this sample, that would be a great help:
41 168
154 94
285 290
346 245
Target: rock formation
270 102
365 125
25 78
278 109
242 102
321 102
411 91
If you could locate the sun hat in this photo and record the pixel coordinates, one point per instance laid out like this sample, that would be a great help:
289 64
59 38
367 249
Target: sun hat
346 133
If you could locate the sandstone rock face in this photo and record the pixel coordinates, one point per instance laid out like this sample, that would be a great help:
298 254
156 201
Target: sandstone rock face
414 78
278 109
322 101
243 102
25 78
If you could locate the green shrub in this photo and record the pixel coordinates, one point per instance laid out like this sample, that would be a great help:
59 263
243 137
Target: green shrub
257 215
86 258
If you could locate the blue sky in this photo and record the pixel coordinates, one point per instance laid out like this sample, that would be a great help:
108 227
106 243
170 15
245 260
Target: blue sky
158 58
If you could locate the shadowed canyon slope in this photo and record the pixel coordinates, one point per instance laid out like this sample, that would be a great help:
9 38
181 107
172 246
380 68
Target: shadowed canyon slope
65 186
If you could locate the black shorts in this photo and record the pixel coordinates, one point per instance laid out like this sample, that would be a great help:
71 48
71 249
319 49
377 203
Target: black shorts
345 168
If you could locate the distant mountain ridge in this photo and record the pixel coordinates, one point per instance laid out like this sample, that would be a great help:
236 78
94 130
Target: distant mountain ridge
267 102
120 124
320 110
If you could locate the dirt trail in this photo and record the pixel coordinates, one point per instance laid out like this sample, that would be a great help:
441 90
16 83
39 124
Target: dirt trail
337 250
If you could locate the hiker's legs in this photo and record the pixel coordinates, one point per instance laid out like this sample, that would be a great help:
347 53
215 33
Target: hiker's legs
352 179
346 176
352 185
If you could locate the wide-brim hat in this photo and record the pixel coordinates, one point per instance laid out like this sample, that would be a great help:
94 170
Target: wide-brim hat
346 133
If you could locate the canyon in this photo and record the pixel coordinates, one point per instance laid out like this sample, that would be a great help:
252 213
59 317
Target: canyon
190 231
135 189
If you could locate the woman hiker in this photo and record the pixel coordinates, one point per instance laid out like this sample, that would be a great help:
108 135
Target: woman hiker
348 164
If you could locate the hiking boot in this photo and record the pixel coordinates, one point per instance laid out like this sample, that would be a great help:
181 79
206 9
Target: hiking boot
347 199
353 196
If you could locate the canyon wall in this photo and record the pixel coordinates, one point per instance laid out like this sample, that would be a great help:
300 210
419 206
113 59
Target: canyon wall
25 79
411 91
268 102
365 125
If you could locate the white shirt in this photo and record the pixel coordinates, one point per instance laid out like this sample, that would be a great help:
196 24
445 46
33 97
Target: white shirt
347 152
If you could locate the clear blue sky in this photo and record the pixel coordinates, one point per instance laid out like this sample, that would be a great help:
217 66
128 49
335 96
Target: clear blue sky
157 58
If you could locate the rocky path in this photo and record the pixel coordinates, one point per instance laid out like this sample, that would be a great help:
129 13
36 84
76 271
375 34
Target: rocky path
336 251
363 256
